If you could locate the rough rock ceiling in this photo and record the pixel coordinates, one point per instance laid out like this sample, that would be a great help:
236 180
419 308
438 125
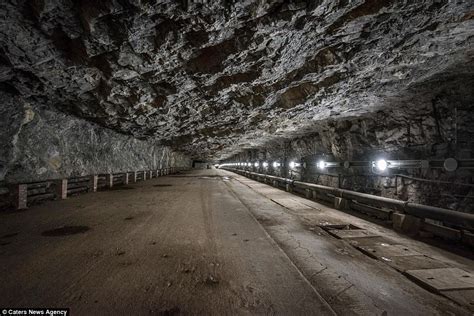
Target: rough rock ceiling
213 78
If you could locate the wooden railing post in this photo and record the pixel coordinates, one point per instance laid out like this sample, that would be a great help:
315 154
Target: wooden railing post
61 189
19 193
93 181
134 178
109 180
21 196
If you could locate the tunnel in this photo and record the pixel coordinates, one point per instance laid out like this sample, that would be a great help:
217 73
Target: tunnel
236 157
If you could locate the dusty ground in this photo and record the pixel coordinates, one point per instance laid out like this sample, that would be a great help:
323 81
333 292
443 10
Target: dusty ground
205 242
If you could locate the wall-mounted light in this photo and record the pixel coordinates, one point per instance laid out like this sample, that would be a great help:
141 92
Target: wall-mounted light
381 164
321 164
265 164
276 164
257 164
294 164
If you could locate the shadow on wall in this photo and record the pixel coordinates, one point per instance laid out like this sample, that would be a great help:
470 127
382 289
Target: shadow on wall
199 164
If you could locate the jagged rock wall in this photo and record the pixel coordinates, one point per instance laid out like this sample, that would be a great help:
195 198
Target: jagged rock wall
212 78
441 125
39 144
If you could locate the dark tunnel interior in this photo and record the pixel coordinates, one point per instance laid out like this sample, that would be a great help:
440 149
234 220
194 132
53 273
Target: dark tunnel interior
289 157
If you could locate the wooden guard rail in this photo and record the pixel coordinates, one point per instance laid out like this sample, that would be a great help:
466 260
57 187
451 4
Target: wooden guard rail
25 194
460 226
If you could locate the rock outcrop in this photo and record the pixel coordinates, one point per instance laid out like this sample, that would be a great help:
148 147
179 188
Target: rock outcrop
212 78
46 144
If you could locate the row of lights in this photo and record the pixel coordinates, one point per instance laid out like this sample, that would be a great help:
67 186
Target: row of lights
380 165
249 164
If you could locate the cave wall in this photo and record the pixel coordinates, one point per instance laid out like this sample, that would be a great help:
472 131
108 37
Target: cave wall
433 126
39 144
209 77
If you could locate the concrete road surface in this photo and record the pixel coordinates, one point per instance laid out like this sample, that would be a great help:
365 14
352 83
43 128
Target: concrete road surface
197 243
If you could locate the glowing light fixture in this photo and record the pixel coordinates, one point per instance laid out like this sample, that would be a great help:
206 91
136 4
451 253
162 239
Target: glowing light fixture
257 164
321 164
276 164
265 164
381 164
294 164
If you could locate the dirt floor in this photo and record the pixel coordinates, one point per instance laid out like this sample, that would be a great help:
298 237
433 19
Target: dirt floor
204 242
